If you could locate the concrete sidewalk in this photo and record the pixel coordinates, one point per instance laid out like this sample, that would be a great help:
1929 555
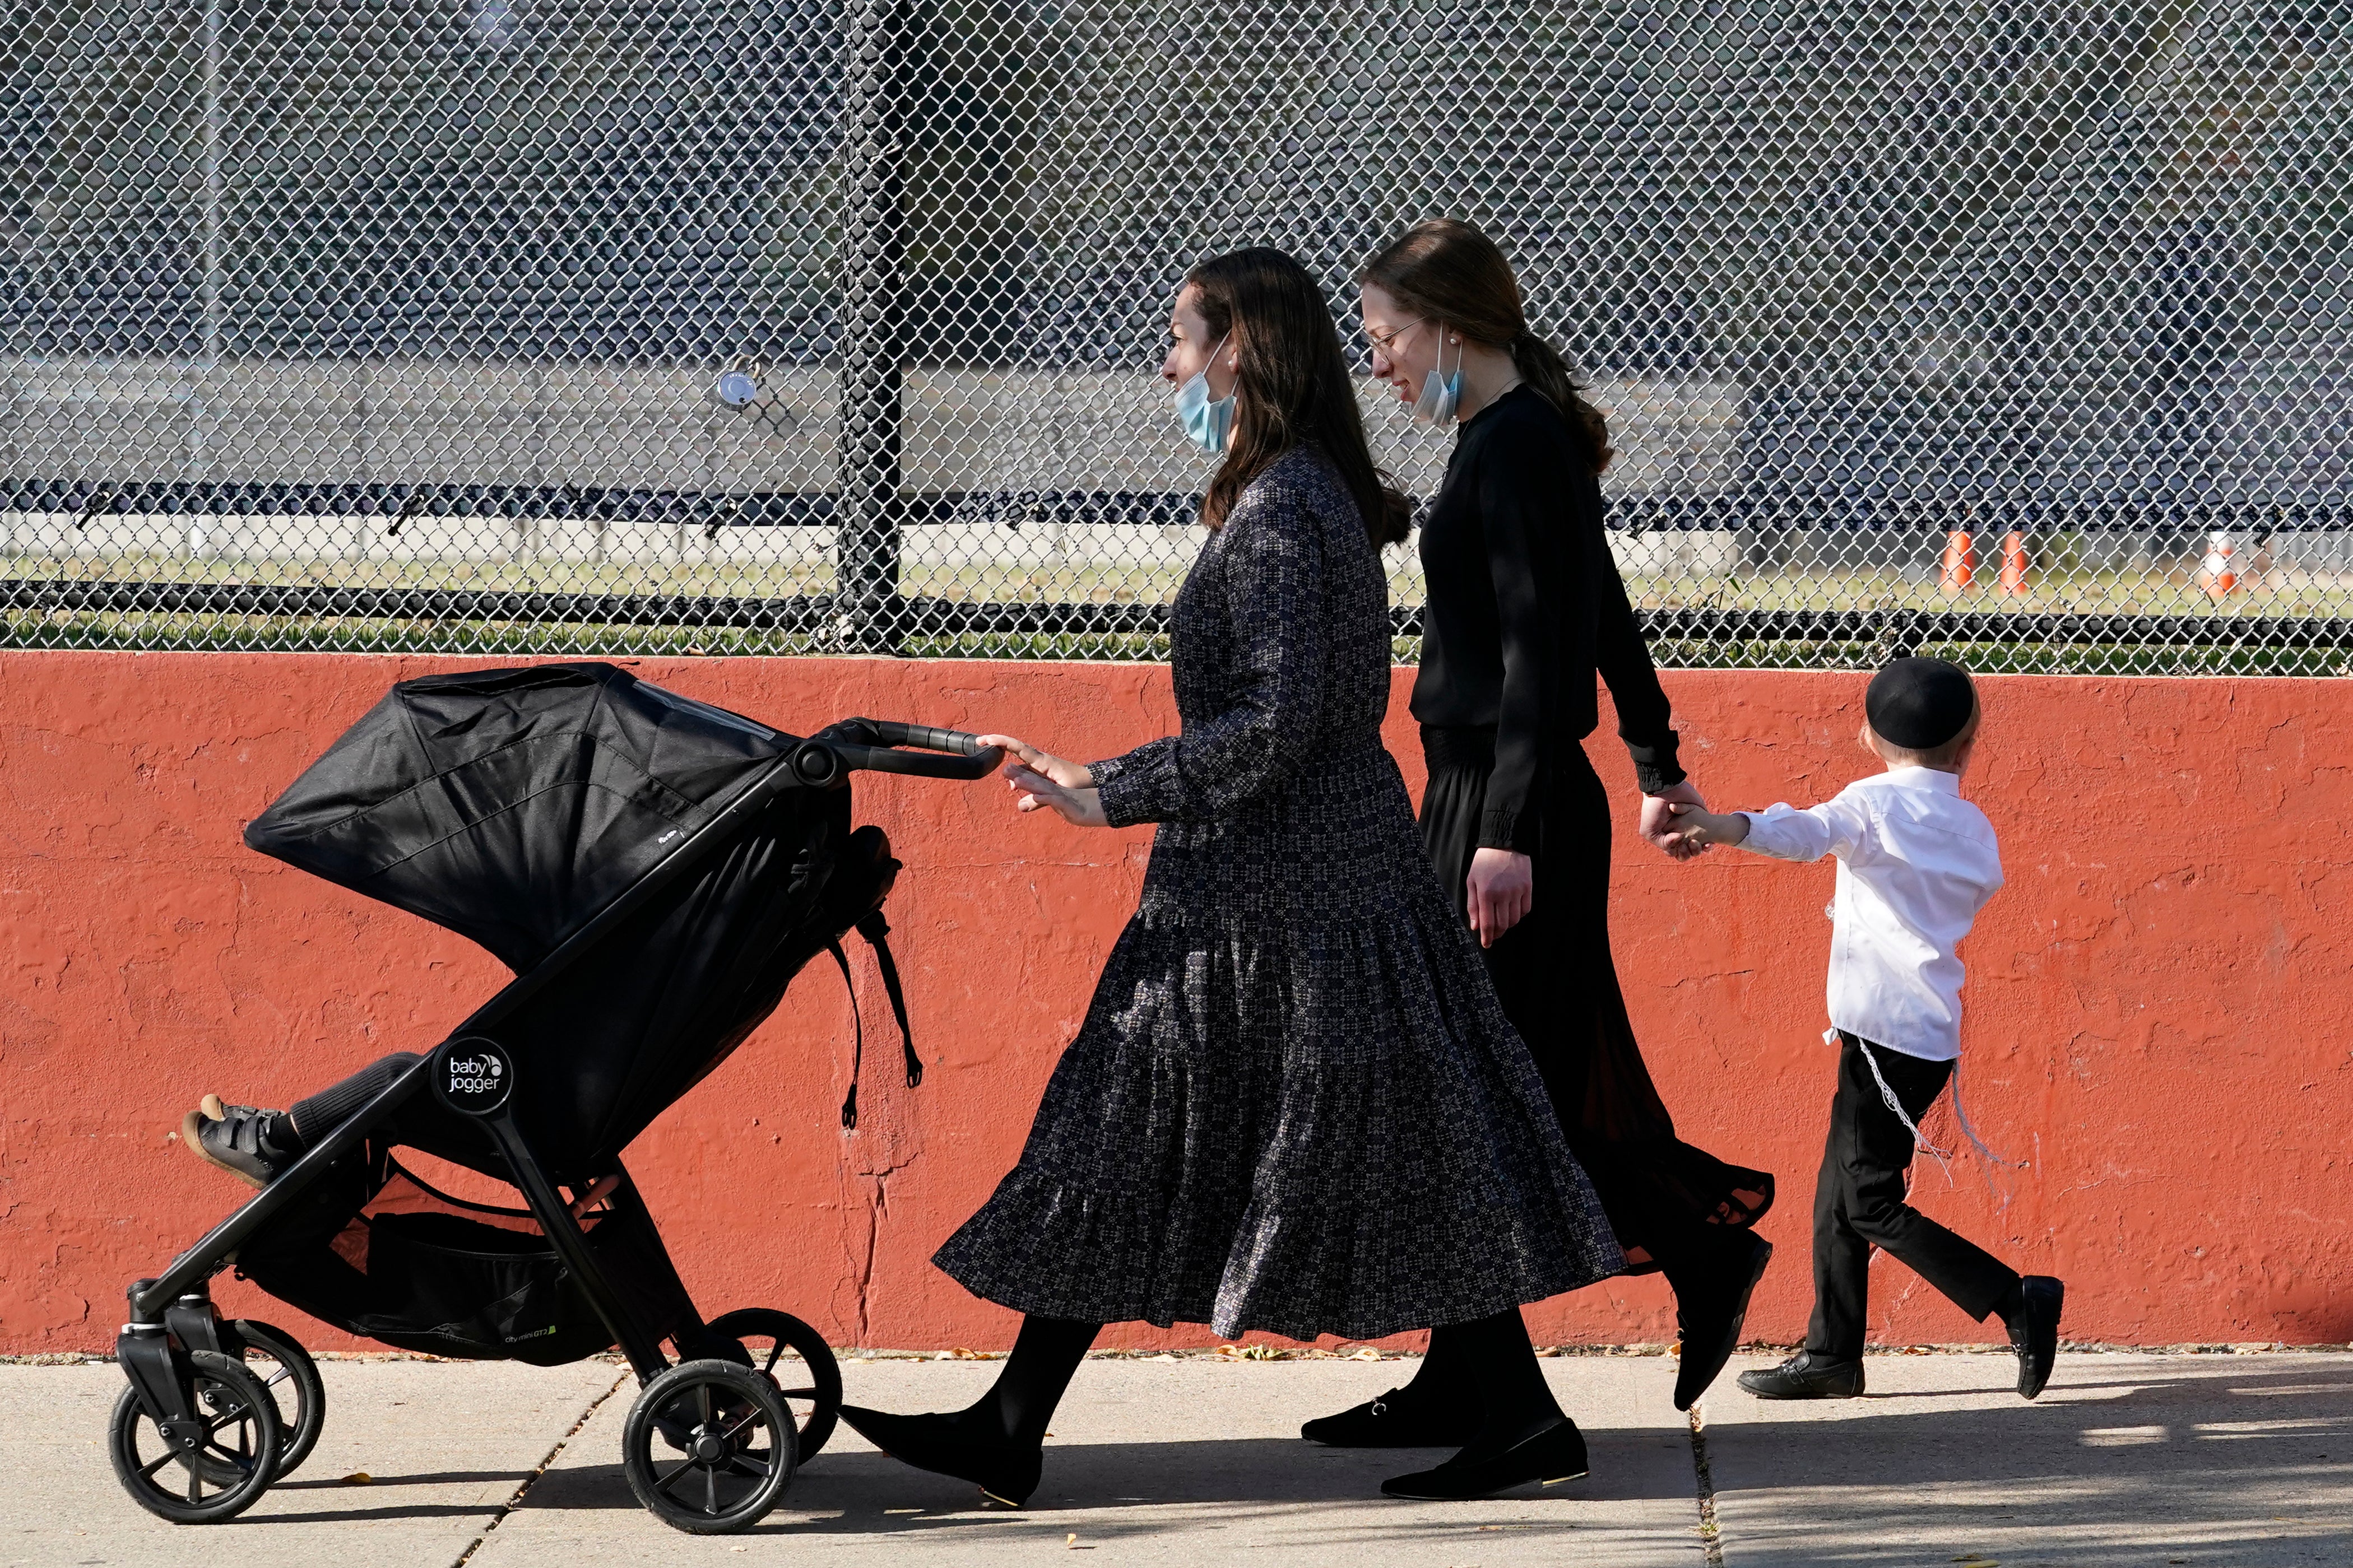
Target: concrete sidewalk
2128 1459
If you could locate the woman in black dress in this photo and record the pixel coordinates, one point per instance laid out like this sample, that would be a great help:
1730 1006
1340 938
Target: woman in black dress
1523 606
1295 1104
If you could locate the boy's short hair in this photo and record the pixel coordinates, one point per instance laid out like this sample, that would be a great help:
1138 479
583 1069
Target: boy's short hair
1924 707
1938 756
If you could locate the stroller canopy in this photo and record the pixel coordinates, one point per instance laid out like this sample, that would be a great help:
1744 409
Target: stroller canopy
510 805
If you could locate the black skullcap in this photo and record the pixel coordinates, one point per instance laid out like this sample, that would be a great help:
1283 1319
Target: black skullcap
1919 703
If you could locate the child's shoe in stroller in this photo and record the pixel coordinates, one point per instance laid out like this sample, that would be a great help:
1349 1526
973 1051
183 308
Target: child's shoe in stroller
250 1144
978 1452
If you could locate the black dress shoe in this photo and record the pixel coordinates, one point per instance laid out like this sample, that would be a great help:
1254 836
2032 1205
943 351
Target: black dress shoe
1713 1314
1398 1419
2034 1332
1549 1455
1807 1375
1003 1469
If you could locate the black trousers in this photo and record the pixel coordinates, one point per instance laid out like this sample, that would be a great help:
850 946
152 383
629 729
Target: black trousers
1859 1204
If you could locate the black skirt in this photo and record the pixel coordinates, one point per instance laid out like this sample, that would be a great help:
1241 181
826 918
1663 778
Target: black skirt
1559 988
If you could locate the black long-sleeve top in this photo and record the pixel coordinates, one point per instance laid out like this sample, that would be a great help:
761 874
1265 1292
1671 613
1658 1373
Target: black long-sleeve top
1525 605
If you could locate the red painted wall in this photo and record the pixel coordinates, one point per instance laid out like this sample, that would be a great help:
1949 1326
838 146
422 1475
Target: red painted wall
2159 1010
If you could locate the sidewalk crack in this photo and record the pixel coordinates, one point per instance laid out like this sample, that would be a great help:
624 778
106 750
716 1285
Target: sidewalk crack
515 1501
1711 1533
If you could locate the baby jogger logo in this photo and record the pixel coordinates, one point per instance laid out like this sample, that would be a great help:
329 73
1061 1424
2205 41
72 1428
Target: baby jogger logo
471 1075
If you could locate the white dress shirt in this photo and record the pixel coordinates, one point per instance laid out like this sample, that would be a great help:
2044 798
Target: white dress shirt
1916 863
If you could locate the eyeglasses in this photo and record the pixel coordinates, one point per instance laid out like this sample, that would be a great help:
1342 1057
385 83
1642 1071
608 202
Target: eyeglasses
1387 345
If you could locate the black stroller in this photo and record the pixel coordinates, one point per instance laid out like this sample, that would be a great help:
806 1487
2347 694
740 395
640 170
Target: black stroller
655 870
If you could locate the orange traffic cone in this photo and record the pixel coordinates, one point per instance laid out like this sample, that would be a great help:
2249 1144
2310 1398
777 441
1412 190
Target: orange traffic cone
1960 561
2216 575
2013 563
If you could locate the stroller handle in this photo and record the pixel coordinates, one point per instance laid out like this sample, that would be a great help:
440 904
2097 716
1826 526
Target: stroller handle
873 745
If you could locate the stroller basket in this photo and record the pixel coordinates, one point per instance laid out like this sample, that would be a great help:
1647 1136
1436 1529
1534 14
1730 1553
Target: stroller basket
421 1270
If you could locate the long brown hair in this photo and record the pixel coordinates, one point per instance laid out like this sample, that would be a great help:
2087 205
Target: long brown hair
1447 272
1294 382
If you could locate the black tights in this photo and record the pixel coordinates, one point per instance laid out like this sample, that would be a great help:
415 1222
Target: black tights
320 1114
1450 1376
1488 1357
1490 1361
1020 1403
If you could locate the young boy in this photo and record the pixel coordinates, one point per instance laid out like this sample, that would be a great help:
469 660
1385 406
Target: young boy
1916 864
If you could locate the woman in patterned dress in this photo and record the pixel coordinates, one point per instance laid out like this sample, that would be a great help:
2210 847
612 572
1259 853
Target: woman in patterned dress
1295 1104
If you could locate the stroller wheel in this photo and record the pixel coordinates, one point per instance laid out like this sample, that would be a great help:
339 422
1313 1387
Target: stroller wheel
289 1374
739 1448
811 1387
219 1466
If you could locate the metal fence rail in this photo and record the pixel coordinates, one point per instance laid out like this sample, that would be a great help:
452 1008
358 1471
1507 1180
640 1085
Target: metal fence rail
2020 329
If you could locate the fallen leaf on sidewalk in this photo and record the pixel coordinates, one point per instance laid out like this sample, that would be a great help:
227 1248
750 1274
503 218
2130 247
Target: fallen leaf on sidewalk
358 1478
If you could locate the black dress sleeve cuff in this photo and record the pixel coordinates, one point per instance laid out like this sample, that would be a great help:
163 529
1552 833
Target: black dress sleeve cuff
1508 827
1655 767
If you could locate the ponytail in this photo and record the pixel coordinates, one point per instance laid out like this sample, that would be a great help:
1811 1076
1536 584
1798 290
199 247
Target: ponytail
1446 270
1542 367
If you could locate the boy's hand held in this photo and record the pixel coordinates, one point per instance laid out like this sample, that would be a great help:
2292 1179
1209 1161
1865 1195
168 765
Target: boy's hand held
1657 821
1698 827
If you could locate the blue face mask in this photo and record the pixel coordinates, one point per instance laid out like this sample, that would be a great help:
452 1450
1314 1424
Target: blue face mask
1441 394
1207 420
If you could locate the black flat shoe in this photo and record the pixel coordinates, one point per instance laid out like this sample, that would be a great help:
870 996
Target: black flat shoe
1713 1318
1550 1455
1398 1419
1807 1375
1003 1471
2034 1332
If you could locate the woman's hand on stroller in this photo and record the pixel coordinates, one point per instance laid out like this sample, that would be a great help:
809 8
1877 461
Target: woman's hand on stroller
1069 775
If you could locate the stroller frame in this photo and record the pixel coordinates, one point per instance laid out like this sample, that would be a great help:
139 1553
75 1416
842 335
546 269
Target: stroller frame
171 1347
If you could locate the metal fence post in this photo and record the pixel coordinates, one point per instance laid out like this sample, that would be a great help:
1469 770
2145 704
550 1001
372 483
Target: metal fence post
869 507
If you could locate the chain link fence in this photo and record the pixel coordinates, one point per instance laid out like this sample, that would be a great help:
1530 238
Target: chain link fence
2020 327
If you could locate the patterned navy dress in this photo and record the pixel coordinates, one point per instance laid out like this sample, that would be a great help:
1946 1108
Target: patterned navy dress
1295 1104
